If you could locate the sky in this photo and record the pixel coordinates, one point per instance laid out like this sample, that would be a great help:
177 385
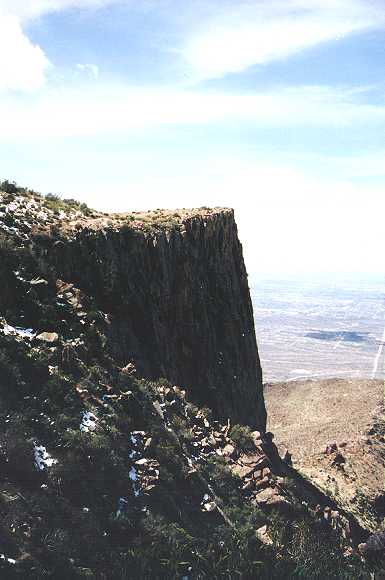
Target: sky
273 107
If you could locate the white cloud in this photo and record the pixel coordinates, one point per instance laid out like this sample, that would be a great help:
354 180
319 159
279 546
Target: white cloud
216 37
28 9
90 69
240 35
22 64
120 110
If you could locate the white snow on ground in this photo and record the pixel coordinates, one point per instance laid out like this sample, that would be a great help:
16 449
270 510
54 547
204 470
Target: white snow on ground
19 276
133 475
42 458
135 440
134 478
22 332
88 423
9 560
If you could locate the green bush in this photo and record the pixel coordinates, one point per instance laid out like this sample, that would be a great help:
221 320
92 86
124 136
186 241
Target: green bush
243 438
56 203
9 187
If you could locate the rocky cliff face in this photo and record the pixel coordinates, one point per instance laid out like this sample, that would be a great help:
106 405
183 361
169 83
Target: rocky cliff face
178 303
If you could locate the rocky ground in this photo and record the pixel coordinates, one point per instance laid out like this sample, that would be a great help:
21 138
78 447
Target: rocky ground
108 474
26 212
334 430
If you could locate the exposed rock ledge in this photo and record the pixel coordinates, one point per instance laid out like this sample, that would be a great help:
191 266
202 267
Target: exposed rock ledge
175 288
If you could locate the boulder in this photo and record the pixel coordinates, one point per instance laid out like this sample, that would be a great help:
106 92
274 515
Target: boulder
265 495
49 337
257 437
262 483
242 470
270 498
263 536
210 506
249 485
141 462
38 282
228 450
339 459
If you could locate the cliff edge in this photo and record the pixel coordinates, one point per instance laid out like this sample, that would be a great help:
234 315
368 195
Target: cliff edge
173 288
178 303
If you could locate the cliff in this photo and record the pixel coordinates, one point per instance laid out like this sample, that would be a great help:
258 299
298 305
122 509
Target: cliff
106 472
178 303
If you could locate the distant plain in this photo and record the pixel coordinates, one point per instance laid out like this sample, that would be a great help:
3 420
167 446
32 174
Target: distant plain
317 329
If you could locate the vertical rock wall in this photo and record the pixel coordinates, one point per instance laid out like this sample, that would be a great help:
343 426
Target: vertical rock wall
180 307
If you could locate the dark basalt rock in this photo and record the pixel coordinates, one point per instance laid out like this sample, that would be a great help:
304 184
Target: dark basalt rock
179 306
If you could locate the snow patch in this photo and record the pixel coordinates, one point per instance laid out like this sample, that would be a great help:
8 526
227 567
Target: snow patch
133 474
9 560
135 440
19 331
88 423
42 458
134 478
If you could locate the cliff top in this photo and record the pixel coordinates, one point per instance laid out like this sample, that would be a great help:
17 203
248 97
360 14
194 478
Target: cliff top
24 212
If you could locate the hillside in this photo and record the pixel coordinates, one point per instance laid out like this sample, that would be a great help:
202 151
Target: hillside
117 459
335 432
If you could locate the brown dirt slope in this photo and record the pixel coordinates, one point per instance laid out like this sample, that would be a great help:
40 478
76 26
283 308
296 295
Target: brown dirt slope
306 416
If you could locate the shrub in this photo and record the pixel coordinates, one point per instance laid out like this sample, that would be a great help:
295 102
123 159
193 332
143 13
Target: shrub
243 438
56 203
9 187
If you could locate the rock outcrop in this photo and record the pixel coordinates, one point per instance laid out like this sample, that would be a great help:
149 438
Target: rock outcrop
178 303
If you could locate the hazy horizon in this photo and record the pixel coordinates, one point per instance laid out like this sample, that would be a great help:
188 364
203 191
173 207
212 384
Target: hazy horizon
310 328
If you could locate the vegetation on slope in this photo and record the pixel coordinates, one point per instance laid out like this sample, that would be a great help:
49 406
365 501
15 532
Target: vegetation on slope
102 475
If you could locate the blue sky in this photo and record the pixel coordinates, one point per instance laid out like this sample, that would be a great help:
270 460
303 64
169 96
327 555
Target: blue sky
275 108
